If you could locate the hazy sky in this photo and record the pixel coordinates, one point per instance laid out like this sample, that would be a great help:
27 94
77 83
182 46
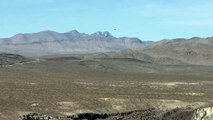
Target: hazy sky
146 19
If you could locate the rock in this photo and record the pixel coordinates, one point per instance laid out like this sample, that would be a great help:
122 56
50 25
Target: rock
10 59
203 114
147 114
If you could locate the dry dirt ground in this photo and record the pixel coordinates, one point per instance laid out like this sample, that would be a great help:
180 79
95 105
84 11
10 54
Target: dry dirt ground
69 86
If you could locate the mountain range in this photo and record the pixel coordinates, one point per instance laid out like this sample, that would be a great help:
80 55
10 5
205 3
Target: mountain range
53 43
195 51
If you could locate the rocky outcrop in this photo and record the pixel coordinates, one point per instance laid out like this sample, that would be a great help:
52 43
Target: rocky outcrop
10 59
35 116
147 114
203 114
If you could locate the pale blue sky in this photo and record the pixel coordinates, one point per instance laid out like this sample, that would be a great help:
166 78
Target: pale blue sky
145 19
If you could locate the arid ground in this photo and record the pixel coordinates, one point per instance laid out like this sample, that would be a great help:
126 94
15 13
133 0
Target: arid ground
60 87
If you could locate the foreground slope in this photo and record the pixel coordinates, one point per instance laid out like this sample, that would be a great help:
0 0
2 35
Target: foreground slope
146 114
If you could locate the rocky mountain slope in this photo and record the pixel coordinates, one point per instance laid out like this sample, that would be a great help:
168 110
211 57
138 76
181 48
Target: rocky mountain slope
51 43
197 51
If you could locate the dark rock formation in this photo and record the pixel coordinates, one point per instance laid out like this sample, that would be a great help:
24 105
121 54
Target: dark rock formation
148 114
10 59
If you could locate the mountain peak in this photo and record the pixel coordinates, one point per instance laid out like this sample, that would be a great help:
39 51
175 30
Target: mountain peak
106 34
73 31
102 34
47 32
19 35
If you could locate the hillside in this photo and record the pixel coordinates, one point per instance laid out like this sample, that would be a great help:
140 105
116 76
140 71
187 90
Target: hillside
197 51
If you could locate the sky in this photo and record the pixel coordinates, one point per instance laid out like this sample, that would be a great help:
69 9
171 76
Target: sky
145 19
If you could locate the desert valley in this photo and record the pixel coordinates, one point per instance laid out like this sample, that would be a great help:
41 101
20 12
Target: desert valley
70 76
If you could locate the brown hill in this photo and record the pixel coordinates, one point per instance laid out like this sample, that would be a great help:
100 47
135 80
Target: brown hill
197 51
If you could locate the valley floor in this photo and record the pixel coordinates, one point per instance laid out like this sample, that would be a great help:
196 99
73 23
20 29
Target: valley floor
68 87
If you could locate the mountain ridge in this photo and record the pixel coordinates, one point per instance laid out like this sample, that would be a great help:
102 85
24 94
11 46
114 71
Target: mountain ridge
195 51
73 42
42 35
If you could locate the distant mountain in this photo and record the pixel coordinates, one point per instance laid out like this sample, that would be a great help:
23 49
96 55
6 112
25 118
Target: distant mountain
54 43
196 51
